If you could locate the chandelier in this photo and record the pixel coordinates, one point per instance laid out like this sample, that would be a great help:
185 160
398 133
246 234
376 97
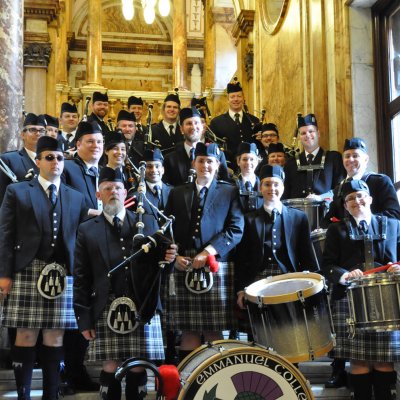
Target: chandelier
149 9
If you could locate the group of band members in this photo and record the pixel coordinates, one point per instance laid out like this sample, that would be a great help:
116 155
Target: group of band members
238 219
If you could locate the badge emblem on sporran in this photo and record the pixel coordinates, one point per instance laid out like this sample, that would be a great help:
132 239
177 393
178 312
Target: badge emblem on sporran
52 281
122 316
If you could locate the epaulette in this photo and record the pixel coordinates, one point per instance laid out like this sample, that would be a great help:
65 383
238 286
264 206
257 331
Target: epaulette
225 182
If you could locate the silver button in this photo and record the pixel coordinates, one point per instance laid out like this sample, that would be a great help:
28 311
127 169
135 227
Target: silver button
52 245
55 237
55 221
274 236
121 239
55 229
124 257
197 223
122 248
269 258
54 214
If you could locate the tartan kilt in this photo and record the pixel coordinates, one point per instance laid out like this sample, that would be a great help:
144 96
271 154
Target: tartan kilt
210 311
145 341
374 346
24 307
244 323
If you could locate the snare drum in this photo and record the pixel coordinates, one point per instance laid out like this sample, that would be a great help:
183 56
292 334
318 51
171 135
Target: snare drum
229 369
290 314
374 303
314 209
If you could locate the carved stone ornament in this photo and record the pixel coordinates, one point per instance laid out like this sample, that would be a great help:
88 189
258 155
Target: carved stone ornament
248 63
37 54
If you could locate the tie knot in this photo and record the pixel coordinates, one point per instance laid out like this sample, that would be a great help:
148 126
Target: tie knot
248 186
52 194
157 190
274 214
363 226
310 157
94 171
191 153
117 223
202 192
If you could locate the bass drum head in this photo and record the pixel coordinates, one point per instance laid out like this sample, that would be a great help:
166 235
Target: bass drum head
234 370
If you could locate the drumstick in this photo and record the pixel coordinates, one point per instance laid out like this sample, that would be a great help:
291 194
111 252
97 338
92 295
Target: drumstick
379 269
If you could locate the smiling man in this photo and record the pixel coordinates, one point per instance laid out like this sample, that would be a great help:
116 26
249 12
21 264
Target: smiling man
99 111
167 132
276 238
355 161
313 173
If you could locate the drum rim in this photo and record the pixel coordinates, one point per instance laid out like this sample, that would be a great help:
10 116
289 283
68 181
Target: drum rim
374 280
207 345
288 297
303 202
257 350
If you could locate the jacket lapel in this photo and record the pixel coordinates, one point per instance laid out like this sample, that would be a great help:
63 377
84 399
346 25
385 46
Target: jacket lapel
188 198
36 200
287 228
260 228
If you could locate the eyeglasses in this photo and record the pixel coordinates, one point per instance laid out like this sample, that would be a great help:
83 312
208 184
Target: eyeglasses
34 130
354 197
269 135
51 157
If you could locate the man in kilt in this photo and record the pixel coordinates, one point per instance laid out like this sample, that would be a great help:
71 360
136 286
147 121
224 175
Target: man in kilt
38 221
208 221
111 311
347 248
276 238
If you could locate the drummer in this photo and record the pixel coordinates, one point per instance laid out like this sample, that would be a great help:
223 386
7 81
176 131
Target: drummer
347 251
276 238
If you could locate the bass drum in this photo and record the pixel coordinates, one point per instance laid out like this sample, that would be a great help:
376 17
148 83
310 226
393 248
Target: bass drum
234 370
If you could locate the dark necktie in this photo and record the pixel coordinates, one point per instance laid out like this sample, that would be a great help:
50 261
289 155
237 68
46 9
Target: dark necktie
157 191
248 186
139 127
237 118
191 154
117 224
69 136
363 227
310 157
171 130
349 179
201 196
93 171
274 215
52 194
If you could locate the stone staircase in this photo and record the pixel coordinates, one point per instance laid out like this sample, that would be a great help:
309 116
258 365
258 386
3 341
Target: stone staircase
317 372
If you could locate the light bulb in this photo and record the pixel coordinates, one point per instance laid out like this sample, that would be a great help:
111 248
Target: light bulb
128 9
149 15
164 7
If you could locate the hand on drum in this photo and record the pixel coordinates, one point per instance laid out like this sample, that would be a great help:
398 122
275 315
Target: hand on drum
315 197
240 300
352 274
395 268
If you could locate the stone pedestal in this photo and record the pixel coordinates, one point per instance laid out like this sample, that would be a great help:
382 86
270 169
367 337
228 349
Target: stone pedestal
11 72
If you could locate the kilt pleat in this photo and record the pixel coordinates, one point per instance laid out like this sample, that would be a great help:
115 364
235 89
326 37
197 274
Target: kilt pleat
145 341
374 346
24 307
210 311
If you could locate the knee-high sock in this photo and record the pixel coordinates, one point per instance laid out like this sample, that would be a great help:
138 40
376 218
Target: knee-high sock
383 382
135 388
362 386
52 361
110 388
23 359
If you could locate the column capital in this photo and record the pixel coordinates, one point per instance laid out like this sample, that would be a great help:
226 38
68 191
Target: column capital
37 54
244 24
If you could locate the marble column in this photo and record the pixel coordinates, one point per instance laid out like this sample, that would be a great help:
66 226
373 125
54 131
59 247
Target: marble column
209 48
94 44
11 72
179 45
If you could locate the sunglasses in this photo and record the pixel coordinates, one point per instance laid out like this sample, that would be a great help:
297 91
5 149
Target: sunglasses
51 157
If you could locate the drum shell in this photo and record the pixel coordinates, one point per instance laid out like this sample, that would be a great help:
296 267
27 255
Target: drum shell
282 327
318 243
314 209
374 303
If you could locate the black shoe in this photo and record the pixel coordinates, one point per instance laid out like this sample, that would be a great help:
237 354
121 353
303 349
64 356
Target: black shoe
337 379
